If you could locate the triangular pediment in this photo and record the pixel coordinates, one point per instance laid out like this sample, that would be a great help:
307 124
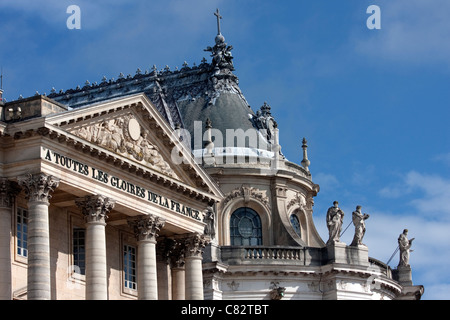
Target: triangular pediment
133 129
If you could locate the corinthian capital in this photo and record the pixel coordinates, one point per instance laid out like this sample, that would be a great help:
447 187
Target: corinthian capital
194 245
38 187
95 207
146 227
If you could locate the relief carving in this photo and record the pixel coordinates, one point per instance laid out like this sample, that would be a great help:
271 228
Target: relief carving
124 136
246 192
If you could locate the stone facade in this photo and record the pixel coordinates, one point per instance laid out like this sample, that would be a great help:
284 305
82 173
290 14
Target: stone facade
107 193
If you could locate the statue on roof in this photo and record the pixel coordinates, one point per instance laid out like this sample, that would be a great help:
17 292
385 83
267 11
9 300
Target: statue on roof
264 122
335 217
359 219
221 52
405 247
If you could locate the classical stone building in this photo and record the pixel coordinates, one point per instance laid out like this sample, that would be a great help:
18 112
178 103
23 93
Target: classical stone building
167 185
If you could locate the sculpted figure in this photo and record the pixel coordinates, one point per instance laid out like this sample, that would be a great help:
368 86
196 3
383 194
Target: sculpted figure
359 219
209 219
335 217
404 245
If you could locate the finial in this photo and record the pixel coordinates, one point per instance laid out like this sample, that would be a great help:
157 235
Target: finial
217 14
305 162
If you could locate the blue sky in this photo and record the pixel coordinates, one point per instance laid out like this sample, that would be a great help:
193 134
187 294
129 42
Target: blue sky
373 104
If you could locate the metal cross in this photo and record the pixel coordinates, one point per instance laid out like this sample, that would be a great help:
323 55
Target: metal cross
217 14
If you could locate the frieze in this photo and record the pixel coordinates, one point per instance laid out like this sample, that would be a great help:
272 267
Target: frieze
124 135
120 184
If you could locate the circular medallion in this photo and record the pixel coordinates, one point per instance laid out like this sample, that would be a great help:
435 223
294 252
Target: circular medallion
134 129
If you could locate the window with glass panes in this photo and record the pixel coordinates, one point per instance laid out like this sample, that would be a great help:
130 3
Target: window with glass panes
245 228
79 252
296 224
22 232
129 267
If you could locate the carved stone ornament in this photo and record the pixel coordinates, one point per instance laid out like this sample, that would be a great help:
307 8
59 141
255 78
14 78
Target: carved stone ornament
194 245
246 192
8 190
124 135
297 200
146 227
38 187
264 121
95 208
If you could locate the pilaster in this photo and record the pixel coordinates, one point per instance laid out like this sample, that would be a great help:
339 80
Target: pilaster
8 190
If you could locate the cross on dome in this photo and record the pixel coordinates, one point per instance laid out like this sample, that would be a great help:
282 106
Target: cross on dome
217 14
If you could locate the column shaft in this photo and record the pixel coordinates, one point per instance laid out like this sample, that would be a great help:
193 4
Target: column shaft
96 267
95 208
38 252
194 278
38 189
146 230
178 283
147 278
193 256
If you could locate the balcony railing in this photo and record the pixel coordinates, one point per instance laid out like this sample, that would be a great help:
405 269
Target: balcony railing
273 253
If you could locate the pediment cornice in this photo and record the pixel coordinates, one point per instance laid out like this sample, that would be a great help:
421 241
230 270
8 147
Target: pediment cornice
188 178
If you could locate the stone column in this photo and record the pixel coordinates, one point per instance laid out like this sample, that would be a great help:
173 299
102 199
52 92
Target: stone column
194 245
164 250
38 189
8 190
146 229
178 273
95 209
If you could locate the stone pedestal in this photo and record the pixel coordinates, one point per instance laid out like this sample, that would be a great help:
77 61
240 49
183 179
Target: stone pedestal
358 255
339 252
404 275
336 252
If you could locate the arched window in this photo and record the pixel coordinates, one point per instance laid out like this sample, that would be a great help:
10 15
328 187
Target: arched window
245 228
296 224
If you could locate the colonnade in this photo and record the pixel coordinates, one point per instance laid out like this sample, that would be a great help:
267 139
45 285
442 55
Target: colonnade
184 253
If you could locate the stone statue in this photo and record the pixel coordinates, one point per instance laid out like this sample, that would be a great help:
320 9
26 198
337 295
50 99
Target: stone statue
335 218
359 219
209 219
264 121
404 245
